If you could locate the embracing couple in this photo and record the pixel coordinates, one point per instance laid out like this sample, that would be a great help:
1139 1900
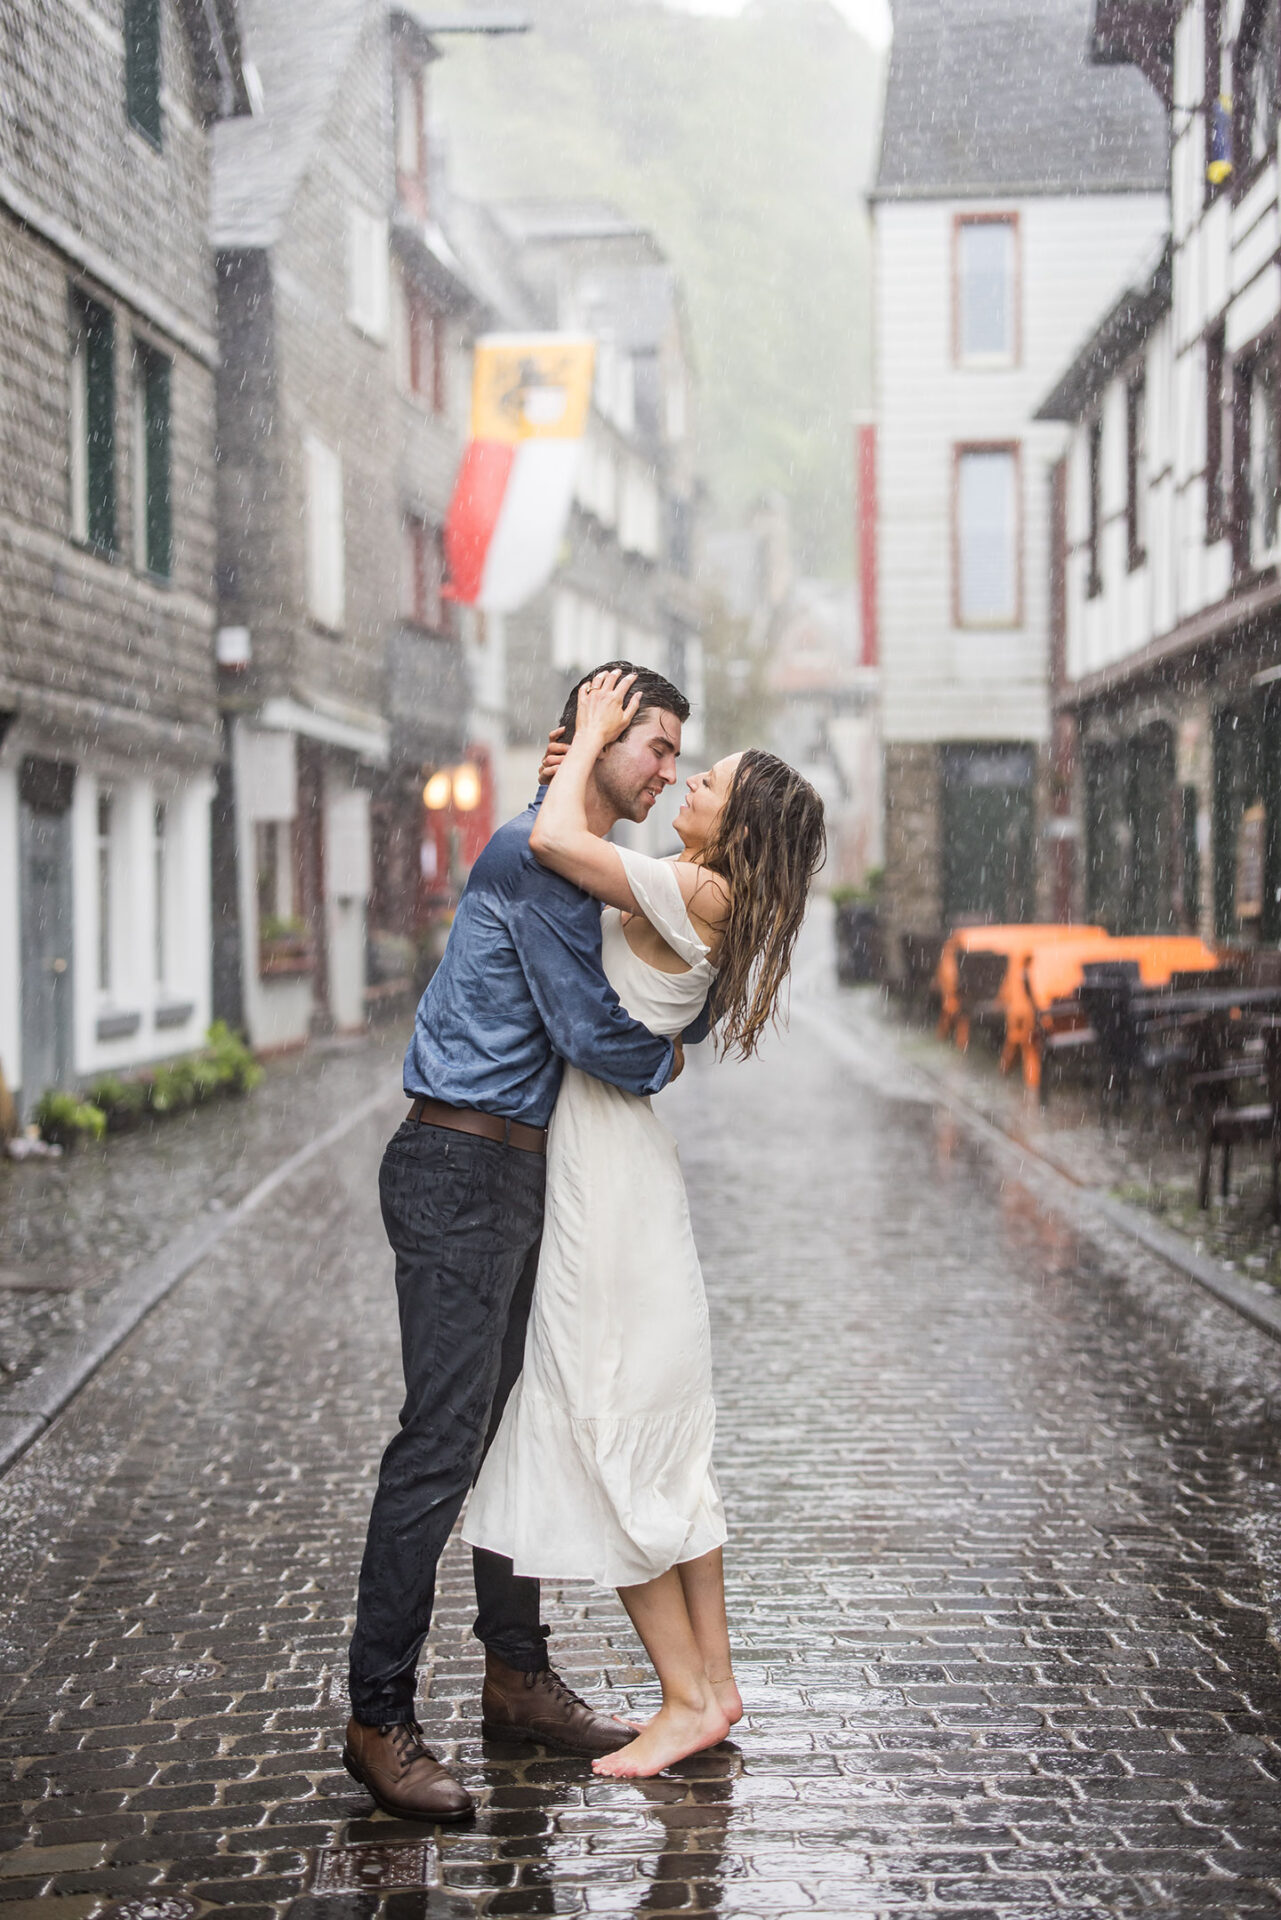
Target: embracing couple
552 1316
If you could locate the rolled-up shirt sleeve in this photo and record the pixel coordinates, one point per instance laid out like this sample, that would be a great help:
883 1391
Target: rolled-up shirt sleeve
556 934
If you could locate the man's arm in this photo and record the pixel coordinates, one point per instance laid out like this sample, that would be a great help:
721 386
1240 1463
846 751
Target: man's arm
556 933
699 1027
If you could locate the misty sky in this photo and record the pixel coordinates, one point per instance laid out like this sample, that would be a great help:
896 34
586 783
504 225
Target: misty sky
870 17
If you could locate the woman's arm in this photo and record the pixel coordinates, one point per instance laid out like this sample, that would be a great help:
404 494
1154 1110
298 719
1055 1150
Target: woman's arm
561 838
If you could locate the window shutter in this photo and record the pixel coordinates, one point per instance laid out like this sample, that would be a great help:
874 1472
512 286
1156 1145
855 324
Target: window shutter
368 292
323 533
159 509
93 426
142 67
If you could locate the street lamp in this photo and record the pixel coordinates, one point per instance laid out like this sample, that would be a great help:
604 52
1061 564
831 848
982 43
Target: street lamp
467 788
437 791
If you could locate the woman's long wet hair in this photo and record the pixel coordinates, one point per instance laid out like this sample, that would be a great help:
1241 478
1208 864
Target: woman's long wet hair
768 843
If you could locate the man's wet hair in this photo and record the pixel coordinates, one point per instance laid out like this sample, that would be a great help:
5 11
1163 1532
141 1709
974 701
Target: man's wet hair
653 689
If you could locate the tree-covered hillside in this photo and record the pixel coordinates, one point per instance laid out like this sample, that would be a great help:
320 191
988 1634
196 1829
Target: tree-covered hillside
745 144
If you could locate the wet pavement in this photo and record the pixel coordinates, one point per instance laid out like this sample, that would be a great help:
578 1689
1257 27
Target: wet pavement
1003 1565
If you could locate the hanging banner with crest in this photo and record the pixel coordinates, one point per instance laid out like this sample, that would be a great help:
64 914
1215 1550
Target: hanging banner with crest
507 519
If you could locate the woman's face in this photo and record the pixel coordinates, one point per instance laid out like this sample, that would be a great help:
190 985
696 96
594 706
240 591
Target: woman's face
705 795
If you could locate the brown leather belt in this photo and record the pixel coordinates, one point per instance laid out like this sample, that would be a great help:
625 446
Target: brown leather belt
486 1126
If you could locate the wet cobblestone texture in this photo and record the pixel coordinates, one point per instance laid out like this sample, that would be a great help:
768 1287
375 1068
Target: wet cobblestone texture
1147 1153
69 1228
1000 1571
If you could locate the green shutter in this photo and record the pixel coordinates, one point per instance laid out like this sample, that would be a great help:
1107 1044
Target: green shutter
156 371
100 425
142 67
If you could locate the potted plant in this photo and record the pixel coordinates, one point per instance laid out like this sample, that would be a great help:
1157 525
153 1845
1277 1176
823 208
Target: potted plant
65 1120
284 946
860 955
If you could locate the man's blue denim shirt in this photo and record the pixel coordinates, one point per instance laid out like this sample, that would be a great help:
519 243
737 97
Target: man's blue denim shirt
521 989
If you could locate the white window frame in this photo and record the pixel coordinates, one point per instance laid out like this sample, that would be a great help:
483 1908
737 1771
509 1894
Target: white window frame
323 534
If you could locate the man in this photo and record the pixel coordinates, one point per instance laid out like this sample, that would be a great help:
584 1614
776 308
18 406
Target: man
520 990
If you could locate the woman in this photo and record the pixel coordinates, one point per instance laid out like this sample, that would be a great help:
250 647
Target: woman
601 1468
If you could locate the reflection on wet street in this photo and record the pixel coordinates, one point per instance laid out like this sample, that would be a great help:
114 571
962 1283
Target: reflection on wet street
999 1571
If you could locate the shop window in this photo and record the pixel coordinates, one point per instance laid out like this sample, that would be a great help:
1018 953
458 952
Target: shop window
92 425
273 847
988 838
160 889
105 851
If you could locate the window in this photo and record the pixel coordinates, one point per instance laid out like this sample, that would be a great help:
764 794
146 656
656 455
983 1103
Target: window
421 346
1258 54
273 852
142 67
367 272
411 138
93 425
152 504
423 575
1263 482
1218 436
323 534
160 882
106 901
1135 469
986 537
985 322
1094 485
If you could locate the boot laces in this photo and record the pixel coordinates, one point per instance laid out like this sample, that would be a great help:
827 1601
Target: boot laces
407 1741
564 1695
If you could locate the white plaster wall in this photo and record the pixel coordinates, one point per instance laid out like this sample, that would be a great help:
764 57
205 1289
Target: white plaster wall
10 981
1076 254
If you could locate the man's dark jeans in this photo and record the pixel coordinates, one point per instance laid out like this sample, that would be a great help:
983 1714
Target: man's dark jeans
464 1217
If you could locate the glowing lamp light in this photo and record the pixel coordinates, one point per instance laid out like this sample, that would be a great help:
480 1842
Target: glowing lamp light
437 791
467 791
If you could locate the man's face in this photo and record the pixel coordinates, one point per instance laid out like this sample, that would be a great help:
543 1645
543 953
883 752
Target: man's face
632 772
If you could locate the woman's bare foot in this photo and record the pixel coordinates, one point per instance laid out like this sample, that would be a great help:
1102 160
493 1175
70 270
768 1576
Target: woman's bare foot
728 1699
673 1734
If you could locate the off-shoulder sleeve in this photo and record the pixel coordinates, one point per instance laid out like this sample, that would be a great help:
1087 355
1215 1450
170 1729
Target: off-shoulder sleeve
659 897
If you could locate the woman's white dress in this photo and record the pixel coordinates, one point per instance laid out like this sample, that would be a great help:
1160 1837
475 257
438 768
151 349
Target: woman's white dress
602 1465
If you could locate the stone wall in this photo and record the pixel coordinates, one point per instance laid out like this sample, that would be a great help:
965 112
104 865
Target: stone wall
913 841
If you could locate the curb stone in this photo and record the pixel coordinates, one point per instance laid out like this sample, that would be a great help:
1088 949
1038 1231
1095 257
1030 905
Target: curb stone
33 1406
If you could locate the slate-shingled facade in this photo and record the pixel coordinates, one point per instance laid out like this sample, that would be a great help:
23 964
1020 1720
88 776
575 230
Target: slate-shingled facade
108 710
1018 184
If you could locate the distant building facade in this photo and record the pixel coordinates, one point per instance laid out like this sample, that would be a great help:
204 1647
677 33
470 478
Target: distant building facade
108 703
344 323
624 587
1018 184
1170 518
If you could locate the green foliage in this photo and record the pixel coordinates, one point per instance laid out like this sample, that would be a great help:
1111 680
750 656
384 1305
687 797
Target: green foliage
230 1059
866 894
745 144
224 1066
65 1120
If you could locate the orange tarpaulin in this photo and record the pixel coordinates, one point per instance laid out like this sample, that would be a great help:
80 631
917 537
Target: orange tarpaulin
1018 941
1055 971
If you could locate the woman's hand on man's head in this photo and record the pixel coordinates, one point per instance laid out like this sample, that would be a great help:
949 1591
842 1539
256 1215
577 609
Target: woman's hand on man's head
553 753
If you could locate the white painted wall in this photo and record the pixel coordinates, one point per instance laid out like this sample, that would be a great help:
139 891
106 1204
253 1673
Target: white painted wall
1076 253
10 984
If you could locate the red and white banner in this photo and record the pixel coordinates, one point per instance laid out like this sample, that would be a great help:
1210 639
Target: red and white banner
507 519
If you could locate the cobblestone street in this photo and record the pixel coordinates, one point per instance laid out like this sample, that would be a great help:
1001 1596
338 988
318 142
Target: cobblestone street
1002 1568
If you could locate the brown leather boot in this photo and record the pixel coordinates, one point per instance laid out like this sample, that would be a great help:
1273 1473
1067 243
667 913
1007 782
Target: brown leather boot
539 1706
396 1769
